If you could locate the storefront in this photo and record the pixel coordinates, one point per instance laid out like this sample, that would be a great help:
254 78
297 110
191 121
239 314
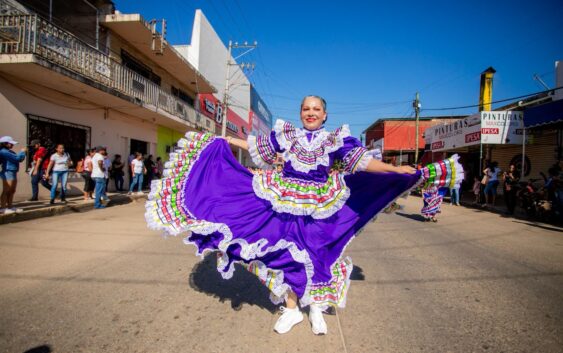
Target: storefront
237 127
488 135
259 114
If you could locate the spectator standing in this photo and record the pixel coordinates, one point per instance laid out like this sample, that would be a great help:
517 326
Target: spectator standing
87 174
117 172
511 186
476 189
491 173
36 173
107 171
159 168
130 159
9 167
59 163
149 167
137 170
98 176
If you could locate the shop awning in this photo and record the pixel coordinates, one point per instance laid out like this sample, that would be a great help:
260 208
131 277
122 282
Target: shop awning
550 113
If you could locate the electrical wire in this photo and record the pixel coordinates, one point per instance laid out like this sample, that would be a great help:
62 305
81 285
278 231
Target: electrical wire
497 101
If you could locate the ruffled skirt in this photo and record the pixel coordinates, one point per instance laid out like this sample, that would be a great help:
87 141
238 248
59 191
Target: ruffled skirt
221 206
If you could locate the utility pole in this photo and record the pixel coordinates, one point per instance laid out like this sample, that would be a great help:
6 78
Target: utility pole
416 106
235 45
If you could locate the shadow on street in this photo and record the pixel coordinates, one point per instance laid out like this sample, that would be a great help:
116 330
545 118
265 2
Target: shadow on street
243 288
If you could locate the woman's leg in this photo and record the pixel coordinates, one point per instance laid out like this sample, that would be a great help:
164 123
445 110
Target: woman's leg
291 301
54 183
64 178
86 185
13 184
140 182
131 183
291 315
4 196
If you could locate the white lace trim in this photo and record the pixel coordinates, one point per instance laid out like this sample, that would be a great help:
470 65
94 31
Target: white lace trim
248 251
315 212
314 144
254 154
364 162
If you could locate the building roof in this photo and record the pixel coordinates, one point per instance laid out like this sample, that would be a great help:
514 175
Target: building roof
422 118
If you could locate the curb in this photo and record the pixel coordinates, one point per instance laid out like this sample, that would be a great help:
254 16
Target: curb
57 210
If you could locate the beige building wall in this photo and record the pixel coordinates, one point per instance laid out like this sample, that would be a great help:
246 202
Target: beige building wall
167 80
109 128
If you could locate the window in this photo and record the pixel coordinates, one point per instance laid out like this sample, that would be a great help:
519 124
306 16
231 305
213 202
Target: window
182 95
132 63
76 138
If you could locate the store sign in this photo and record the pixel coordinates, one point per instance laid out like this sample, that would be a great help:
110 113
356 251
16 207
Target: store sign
259 107
213 108
457 134
488 127
502 127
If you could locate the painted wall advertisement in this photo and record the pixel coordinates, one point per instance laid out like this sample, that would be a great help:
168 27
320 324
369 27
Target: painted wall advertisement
212 107
488 127
260 115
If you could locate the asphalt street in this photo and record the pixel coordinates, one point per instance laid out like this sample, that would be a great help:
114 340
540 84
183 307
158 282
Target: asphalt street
100 281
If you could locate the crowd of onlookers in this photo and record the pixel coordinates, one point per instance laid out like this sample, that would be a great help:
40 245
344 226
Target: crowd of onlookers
51 169
547 190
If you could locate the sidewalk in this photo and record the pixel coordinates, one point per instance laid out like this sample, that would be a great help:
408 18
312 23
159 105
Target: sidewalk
42 208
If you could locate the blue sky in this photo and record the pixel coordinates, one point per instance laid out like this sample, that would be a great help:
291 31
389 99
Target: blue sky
368 58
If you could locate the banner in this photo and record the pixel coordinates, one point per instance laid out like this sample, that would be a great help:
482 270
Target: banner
502 127
460 133
259 108
210 106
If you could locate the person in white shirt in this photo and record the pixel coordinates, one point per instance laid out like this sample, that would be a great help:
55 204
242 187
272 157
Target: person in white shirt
137 170
98 175
59 163
492 172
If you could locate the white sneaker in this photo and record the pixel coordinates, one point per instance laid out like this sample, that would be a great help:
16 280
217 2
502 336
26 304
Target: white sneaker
288 319
17 210
318 324
9 211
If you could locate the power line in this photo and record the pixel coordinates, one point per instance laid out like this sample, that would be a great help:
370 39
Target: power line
498 101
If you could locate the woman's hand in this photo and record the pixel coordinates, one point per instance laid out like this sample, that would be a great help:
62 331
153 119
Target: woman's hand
406 169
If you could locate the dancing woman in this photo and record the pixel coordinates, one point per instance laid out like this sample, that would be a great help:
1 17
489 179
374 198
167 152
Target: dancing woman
288 227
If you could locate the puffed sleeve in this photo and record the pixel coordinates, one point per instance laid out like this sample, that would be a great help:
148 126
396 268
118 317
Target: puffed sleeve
263 149
354 156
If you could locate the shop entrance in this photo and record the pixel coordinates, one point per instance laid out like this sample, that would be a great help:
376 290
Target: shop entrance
76 138
138 146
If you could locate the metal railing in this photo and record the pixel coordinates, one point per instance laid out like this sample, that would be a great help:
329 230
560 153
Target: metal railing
31 34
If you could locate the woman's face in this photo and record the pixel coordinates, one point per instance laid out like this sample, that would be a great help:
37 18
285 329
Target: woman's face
313 114
60 149
512 168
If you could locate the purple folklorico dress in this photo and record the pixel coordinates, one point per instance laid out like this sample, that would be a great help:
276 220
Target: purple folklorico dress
289 228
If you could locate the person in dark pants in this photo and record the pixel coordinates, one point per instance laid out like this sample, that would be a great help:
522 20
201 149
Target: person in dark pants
36 173
511 185
149 165
117 172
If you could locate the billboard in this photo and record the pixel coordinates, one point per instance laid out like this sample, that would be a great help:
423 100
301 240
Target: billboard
502 127
213 108
460 133
488 127
259 108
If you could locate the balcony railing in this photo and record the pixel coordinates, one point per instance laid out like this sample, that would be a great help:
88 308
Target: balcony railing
31 34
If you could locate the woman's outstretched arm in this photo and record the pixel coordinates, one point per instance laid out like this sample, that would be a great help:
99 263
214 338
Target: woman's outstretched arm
237 142
376 166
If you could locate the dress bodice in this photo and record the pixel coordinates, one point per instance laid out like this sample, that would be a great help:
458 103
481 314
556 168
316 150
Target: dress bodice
309 155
